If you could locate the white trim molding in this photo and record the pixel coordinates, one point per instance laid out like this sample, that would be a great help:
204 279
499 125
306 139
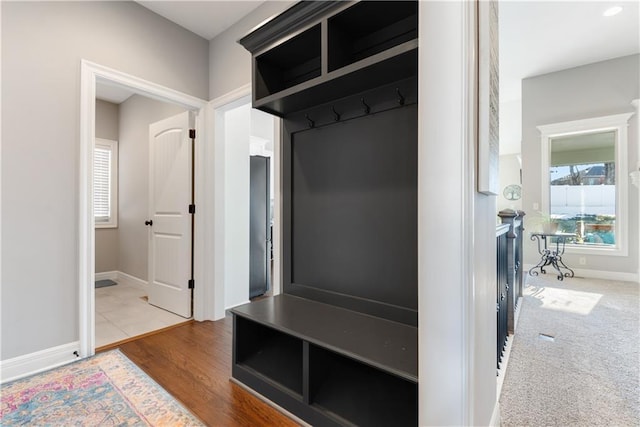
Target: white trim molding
618 123
216 168
107 275
238 305
495 416
120 277
596 274
39 361
447 75
132 280
209 303
91 74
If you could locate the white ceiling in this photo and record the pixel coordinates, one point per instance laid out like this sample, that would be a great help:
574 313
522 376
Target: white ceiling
536 37
539 37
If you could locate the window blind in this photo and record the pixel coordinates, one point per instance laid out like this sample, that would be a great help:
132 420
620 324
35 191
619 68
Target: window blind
101 184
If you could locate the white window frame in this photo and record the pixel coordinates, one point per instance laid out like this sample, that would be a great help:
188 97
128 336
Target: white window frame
618 123
112 146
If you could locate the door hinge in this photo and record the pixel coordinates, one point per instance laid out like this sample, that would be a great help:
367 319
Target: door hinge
192 209
192 283
192 133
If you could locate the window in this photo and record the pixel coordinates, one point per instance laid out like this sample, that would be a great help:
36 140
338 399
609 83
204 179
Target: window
584 182
105 183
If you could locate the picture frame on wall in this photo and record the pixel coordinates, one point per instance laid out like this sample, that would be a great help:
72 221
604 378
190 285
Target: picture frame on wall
488 98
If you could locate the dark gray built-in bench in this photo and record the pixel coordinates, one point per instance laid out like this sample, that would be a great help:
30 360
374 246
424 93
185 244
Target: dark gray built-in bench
340 345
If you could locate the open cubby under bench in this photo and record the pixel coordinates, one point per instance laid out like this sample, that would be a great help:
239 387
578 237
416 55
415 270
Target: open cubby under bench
328 365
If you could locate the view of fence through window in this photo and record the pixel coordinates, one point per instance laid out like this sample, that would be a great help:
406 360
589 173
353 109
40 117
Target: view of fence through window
583 187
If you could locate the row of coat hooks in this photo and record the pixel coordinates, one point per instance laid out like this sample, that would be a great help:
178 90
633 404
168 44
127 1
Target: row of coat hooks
366 109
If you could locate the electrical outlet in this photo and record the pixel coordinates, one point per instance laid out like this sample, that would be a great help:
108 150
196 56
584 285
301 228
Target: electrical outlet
582 260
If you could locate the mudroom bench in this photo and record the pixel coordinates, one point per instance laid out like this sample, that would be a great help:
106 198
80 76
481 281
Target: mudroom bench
330 365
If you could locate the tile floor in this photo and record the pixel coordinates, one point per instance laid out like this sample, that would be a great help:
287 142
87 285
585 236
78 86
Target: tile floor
122 312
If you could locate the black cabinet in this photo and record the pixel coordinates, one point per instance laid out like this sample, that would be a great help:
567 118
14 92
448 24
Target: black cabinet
331 50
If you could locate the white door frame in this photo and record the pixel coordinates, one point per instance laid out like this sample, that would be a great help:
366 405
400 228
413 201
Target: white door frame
92 73
447 76
215 171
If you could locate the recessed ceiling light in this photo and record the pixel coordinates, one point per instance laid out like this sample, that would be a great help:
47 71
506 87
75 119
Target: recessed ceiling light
612 11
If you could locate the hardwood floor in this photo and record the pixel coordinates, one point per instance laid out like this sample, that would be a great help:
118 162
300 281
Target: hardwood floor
193 363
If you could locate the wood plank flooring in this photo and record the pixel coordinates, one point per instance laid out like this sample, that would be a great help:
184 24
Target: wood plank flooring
193 363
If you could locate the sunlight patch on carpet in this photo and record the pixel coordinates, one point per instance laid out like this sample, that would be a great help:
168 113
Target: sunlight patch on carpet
567 300
107 389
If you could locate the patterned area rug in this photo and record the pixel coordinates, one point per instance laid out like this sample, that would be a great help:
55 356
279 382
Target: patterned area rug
104 390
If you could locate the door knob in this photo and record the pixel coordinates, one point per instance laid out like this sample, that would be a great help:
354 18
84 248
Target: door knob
149 222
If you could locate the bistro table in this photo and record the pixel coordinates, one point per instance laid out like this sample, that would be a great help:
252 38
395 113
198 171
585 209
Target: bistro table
551 249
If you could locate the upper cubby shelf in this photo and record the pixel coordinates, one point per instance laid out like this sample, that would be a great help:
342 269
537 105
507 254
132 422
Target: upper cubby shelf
368 28
316 51
293 62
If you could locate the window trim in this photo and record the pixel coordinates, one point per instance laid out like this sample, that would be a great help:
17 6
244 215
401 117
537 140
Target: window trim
112 146
618 123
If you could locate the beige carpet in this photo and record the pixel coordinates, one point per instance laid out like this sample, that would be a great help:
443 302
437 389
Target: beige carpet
588 373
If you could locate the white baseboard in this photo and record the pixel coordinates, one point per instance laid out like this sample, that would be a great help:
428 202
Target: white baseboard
516 314
594 274
132 280
236 305
28 364
107 275
495 416
606 275
503 365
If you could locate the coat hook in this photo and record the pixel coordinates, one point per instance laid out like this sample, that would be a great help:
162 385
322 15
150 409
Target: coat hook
400 97
367 109
311 122
336 116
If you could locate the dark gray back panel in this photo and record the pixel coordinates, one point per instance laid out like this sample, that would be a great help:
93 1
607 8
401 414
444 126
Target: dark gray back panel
354 211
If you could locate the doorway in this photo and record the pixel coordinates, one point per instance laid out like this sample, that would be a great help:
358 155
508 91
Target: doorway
246 136
93 75
126 297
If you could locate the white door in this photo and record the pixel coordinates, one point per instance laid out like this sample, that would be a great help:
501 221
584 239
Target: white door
170 168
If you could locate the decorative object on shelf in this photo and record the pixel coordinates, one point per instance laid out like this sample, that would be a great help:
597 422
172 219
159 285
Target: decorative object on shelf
512 192
546 223
550 227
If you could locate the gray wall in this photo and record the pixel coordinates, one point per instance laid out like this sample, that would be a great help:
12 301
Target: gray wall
106 238
42 45
593 90
136 114
229 62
